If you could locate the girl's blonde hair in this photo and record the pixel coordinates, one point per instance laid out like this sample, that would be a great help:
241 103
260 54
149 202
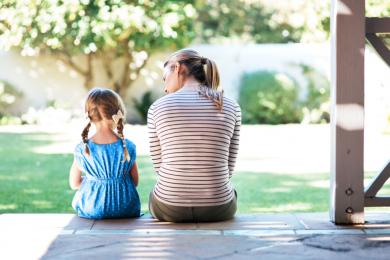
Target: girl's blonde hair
203 70
102 104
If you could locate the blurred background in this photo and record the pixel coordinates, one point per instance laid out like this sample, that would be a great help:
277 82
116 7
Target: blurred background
273 58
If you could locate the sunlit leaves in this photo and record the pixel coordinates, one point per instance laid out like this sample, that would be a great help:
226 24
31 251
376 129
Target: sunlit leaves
92 26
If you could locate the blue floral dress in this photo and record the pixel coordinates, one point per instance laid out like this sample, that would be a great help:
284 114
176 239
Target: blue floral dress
107 190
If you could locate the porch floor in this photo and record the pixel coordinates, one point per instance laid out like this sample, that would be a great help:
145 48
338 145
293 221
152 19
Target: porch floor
272 236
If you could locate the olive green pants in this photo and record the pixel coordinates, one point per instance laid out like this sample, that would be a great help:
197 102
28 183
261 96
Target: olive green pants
165 212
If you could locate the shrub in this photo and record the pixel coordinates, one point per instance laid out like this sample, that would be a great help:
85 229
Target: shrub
268 97
316 102
8 96
143 105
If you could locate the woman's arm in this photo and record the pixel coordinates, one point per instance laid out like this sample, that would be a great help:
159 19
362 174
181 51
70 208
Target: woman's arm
154 142
134 174
234 142
75 177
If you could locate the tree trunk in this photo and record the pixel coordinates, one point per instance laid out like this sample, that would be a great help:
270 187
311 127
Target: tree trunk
88 83
119 86
87 73
123 83
107 65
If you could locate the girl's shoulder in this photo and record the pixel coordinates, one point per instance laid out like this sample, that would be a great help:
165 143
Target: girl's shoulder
79 147
130 144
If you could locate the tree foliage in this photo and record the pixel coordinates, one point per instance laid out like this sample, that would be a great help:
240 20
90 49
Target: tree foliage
106 30
122 35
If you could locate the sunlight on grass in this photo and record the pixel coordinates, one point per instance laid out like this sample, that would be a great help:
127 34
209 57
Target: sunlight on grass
42 204
14 178
32 191
290 183
7 206
320 184
277 189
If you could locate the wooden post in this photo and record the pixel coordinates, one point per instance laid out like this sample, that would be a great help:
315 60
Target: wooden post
347 115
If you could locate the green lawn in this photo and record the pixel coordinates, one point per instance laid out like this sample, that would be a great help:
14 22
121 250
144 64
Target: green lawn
35 182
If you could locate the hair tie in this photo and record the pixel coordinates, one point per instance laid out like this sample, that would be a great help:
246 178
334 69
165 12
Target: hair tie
116 117
203 60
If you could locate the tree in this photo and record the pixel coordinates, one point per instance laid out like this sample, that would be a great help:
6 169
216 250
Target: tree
112 30
124 34
243 20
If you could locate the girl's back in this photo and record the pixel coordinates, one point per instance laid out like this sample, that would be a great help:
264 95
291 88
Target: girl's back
107 190
108 159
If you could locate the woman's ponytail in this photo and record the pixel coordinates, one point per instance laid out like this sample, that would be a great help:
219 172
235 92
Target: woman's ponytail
212 74
204 70
212 83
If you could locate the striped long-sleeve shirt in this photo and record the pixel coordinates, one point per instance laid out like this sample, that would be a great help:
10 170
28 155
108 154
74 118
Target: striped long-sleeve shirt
193 147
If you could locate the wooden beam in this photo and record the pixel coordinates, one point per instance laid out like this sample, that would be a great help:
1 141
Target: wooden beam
380 47
347 111
377 24
381 201
378 182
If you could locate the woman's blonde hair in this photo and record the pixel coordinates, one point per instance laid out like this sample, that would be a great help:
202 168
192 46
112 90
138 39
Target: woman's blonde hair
203 70
102 104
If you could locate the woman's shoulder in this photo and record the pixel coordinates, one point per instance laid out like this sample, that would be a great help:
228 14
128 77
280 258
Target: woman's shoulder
231 103
229 100
158 103
162 99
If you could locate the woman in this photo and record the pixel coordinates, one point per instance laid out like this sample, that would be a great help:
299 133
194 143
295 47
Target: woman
194 136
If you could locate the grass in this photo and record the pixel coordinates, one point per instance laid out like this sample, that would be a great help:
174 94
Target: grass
36 182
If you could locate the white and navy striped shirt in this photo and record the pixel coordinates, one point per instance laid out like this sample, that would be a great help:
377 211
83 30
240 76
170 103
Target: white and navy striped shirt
194 147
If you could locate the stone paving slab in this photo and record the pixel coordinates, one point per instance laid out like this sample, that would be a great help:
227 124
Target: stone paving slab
348 231
145 222
256 221
320 220
377 220
217 247
47 220
170 247
151 232
377 231
258 233
266 236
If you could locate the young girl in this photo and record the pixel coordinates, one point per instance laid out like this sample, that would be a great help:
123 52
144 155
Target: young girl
108 189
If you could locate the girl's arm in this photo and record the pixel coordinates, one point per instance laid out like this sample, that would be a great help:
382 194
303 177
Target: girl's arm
75 177
134 174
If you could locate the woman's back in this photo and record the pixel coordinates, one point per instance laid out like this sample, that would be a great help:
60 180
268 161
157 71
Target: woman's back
194 148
